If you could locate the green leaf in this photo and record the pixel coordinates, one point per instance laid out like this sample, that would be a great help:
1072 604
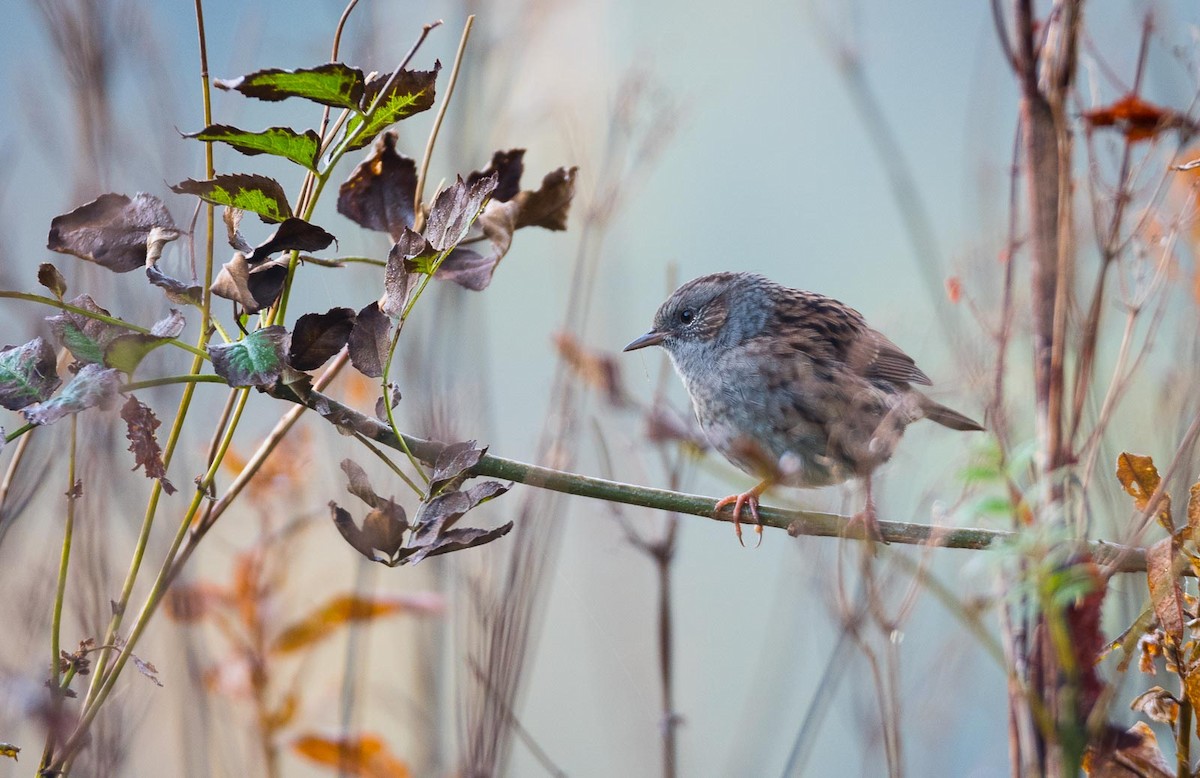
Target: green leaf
335 84
127 351
93 385
411 93
260 194
255 360
27 374
279 141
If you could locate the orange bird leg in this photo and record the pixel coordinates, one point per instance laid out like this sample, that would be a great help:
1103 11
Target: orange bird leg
748 499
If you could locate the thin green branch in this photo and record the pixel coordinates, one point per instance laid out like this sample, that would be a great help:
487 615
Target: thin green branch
1124 558
189 378
53 303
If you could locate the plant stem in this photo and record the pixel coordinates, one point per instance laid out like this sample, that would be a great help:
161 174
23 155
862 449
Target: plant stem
189 378
437 122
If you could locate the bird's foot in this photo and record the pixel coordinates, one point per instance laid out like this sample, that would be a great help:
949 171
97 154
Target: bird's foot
870 522
745 499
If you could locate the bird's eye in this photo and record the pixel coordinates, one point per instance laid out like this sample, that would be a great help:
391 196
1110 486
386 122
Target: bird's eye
687 315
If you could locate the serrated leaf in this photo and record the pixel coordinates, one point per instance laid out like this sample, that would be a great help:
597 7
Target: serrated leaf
334 84
140 424
303 149
28 374
92 386
379 193
50 277
411 93
255 360
370 341
346 609
110 230
125 352
318 336
292 235
259 194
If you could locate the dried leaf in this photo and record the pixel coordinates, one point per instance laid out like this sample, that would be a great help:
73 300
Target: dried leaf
455 209
548 205
508 167
1165 592
1087 637
146 669
1193 512
1140 478
190 603
399 279
370 341
599 370
366 756
255 360
346 609
258 194
452 465
359 485
379 193
252 287
453 540
318 336
1133 753
9 750
303 149
292 235
233 222
410 93
1136 118
381 537
28 374
140 424
50 277
93 385
473 270
333 84
110 230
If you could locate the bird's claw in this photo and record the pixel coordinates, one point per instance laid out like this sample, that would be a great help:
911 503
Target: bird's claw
745 499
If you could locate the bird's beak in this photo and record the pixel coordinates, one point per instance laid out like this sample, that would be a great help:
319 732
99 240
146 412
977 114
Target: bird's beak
651 338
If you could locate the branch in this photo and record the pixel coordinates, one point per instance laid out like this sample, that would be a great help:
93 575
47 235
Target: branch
1123 558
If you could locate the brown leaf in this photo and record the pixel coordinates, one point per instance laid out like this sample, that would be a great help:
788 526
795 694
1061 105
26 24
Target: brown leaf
50 277
110 230
347 608
190 603
292 235
1165 592
370 340
508 166
146 669
233 222
10 751
450 469
399 280
1133 753
253 287
359 485
454 209
379 193
1087 637
318 336
1193 512
1136 118
597 369
365 755
140 424
1140 478
549 204
469 268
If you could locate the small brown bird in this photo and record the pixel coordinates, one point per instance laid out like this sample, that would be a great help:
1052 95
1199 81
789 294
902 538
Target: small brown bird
792 387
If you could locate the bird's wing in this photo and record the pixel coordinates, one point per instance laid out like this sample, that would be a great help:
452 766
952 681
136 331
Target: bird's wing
878 359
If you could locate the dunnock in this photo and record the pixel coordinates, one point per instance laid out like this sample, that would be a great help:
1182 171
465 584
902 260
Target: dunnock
792 387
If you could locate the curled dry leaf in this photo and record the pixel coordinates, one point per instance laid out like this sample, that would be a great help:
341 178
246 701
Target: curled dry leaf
410 252
10 751
453 464
1140 478
454 209
359 484
111 230
318 336
508 167
254 287
147 669
1133 753
379 193
381 537
292 235
140 424
28 374
52 278
1138 119
346 609
1166 594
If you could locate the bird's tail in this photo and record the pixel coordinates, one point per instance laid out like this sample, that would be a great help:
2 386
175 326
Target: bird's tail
935 411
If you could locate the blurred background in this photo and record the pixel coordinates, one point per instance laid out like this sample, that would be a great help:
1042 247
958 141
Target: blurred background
861 150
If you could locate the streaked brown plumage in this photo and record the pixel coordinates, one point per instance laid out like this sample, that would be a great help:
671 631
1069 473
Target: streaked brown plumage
791 386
